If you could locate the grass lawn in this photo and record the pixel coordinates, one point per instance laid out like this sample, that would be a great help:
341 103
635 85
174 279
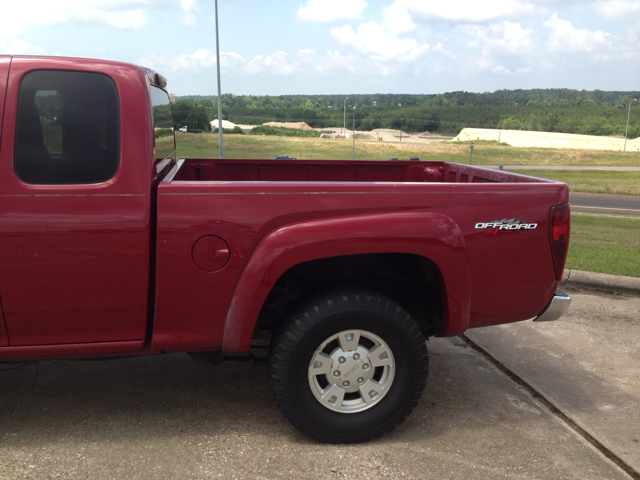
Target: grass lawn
205 145
593 181
605 244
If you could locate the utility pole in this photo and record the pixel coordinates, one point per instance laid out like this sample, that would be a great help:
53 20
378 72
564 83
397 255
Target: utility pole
627 130
400 129
344 116
354 130
219 89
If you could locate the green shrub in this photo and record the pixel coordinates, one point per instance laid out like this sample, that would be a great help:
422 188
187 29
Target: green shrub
163 132
235 129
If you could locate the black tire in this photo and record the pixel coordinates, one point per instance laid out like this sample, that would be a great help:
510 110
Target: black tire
380 320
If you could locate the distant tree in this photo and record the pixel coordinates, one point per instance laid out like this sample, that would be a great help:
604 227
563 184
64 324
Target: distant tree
186 112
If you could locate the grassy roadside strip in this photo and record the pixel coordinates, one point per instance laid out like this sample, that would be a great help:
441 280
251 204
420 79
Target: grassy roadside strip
592 181
605 245
484 153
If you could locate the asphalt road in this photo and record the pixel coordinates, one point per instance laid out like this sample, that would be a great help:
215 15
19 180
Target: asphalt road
563 167
169 417
627 205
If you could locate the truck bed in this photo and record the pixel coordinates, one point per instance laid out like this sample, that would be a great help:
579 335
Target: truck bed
443 208
194 169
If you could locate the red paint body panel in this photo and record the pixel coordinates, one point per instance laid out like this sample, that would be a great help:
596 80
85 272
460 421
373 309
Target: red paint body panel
77 350
77 262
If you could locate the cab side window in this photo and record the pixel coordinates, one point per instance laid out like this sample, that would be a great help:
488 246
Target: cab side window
67 128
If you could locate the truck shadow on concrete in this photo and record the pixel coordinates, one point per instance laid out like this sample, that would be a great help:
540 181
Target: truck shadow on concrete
173 395
170 417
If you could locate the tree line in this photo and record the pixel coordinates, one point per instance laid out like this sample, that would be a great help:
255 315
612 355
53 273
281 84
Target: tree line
555 110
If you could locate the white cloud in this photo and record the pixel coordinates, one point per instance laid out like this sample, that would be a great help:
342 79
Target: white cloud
120 14
123 19
564 37
617 9
507 36
304 63
440 49
466 11
188 5
500 70
278 63
335 60
193 62
371 39
327 10
397 18
19 47
190 9
516 37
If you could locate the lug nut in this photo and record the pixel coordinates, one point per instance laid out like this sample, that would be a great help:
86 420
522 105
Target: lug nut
336 373
356 356
342 359
346 384
365 366
360 380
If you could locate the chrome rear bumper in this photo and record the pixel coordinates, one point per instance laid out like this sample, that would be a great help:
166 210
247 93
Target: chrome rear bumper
557 307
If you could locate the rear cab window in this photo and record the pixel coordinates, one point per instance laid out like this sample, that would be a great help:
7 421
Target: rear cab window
67 128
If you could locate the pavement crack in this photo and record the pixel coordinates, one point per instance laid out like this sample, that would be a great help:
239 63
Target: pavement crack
33 385
13 410
12 367
553 409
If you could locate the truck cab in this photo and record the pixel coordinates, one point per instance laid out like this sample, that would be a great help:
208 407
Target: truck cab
75 238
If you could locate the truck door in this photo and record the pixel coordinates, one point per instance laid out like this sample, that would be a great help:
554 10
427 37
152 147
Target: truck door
5 61
74 230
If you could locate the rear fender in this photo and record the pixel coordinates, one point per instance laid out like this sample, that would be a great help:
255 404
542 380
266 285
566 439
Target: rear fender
431 235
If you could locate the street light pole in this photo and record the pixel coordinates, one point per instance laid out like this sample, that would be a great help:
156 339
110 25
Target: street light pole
627 130
344 116
219 89
354 130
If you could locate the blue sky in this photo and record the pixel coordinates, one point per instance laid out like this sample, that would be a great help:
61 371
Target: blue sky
344 46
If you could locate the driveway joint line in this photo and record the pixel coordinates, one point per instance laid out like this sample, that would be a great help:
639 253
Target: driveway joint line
553 409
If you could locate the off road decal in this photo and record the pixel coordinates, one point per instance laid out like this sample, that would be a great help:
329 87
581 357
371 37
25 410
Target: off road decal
506 225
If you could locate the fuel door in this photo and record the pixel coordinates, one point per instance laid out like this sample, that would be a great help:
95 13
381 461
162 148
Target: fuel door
210 253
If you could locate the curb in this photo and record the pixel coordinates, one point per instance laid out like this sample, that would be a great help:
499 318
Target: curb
617 284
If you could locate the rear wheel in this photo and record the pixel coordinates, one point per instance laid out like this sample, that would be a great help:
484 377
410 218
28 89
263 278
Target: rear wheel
348 366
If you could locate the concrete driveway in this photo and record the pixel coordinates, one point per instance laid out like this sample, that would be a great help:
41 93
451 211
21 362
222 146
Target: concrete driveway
169 417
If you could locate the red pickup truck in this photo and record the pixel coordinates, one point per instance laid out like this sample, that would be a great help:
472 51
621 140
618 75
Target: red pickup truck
111 246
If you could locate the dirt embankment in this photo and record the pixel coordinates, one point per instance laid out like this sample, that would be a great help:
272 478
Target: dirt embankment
299 125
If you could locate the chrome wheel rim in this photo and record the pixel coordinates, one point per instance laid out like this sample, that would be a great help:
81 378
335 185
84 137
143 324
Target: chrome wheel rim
351 371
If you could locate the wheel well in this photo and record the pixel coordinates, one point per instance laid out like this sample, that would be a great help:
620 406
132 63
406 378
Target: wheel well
411 280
